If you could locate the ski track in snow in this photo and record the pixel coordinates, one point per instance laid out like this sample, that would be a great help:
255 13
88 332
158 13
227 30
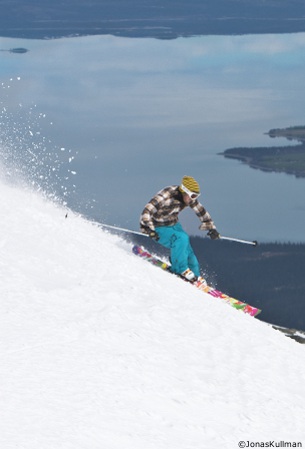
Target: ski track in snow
99 349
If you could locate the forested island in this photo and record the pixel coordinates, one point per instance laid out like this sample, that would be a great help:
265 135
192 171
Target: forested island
288 159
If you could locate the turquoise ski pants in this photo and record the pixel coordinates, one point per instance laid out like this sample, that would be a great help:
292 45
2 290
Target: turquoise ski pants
182 254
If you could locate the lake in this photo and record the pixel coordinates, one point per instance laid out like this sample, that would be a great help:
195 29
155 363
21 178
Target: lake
104 122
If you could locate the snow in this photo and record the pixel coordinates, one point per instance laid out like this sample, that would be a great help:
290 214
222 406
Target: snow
101 350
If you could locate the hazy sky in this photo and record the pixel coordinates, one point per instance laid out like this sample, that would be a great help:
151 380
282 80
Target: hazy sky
134 115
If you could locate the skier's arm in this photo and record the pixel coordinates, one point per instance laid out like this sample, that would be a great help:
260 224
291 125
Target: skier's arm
203 215
207 223
156 210
146 220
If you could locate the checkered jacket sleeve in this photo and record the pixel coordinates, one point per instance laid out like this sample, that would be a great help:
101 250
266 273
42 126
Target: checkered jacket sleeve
203 215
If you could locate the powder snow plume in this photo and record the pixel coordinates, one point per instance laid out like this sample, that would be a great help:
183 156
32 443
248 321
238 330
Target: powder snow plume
27 154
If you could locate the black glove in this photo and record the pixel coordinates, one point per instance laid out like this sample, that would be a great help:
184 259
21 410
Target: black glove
214 234
153 235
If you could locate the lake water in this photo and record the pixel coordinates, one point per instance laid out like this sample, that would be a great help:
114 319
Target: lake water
105 122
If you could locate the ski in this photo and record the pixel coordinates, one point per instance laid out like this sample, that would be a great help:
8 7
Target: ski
239 305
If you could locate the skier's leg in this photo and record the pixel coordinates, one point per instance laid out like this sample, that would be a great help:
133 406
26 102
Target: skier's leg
182 254
193 261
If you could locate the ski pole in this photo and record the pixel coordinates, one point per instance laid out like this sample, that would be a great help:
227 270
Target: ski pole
247 242
116 228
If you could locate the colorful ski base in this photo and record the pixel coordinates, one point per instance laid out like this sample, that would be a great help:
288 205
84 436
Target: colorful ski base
246 308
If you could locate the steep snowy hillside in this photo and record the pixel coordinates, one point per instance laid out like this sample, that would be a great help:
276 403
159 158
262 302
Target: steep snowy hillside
102 350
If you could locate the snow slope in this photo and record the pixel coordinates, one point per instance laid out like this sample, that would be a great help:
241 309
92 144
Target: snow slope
100 350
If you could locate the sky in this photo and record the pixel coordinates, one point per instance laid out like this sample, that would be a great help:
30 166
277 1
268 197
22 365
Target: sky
138 114
101 349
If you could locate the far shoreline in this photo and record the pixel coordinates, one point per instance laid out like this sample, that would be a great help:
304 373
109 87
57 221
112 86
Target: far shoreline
280 159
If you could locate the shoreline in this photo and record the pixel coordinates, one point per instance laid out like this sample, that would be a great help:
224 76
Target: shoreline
277 159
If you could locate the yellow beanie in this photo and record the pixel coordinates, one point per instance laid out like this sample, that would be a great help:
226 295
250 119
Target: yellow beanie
190 183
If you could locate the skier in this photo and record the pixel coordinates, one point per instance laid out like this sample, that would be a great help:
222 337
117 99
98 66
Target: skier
160 221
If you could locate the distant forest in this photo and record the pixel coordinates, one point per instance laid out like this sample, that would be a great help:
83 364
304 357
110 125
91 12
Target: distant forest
269 276
285 159
162 19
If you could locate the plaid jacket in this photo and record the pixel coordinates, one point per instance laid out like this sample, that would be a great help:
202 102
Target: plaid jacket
164 207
